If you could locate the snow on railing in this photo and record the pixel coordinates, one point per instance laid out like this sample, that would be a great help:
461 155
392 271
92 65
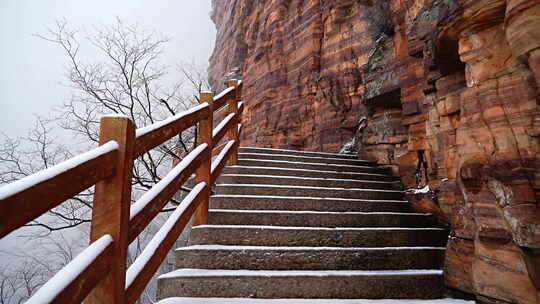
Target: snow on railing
73 272
222 155
153 127
99 270
223 124
149 260
164 182
49 173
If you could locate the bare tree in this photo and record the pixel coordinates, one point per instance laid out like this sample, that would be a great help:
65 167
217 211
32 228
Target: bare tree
19 282
127 79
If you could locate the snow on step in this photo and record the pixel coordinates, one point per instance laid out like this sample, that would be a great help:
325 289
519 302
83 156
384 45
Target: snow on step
293 248
299 156
303 163
187 272
307 170
302 152
285 212
315 228
308 187
311 178
306 198
179 300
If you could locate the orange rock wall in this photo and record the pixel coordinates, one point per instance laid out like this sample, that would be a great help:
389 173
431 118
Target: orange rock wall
445 92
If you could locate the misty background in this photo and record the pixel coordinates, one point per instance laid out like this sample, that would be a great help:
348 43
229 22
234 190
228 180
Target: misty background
32 70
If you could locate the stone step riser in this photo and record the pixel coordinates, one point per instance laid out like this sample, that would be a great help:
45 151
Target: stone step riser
298 204
302 259
277 180
306 159
366 287
268 203
305 173
245 236
318 220
296 153
308 192
193 300
310 166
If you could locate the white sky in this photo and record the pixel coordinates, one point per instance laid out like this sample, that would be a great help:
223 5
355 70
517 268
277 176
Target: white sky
31 69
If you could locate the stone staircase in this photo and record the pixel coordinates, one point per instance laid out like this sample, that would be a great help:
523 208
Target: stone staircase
306 225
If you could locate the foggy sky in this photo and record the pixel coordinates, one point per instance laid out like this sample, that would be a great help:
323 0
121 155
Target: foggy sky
32 70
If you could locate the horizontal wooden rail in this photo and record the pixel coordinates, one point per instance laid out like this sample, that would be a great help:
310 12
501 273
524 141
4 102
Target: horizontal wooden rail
146 265
240 129
154 135
75 281
224 127
221 160
240 108
153 201
34 195
98 274
221 99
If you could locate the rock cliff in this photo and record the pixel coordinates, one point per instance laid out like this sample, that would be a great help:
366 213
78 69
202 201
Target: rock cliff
445 92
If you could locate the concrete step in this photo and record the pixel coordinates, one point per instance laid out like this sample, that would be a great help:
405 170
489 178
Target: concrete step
295 152
309 258
192 300
306 181
316 236
267 170
310 166
396 284
307 159
283 190
319 219
259 202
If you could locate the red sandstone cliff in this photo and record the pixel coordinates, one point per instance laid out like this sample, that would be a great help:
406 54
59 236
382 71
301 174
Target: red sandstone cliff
446 92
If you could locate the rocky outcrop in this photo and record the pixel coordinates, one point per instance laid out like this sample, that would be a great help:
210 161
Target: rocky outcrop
444 92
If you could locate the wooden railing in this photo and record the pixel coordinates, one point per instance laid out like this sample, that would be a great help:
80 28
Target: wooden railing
99 274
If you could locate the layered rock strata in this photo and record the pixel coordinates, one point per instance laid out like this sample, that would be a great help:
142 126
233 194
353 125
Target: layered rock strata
444 92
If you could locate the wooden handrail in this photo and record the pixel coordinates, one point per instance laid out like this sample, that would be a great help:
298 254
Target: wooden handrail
154 135
151 203
32 196
83 273
146 265
103 277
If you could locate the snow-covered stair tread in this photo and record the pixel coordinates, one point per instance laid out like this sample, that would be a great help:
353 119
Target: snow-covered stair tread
406 284
318 218
308 227
187 272
307 301
309 258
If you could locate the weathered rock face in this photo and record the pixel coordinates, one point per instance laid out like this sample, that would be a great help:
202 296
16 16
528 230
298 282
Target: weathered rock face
445 92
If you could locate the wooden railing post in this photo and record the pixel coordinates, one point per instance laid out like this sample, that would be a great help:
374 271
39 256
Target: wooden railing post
110 213
204 135
233 132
